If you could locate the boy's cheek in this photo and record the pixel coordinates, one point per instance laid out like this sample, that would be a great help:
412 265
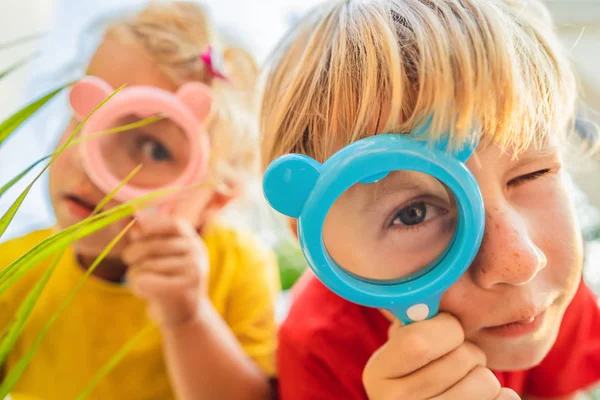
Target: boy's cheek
454 301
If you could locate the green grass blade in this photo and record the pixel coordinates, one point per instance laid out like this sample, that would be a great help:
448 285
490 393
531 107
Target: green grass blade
17 371
76 131
101 205
122 128
8 126
27 306
114 360
19 41
11 212
39 253
50 245
74 142
15 66
17 178
25 309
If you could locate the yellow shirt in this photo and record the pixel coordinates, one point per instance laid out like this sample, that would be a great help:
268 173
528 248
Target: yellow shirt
102 317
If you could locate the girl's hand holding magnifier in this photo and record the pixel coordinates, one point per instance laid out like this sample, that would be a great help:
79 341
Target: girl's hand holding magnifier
168 267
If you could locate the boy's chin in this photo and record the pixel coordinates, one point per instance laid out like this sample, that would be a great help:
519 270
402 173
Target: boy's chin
509 355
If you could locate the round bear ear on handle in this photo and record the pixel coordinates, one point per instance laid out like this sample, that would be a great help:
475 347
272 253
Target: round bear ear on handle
87 94
198 97
288 181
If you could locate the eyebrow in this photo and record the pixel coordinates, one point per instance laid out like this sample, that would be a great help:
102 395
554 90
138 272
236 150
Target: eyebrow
384 188
535 155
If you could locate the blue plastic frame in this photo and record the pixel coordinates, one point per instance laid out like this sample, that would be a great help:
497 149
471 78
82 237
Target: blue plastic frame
300 187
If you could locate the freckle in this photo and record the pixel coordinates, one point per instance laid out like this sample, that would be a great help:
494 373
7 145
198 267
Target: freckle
517 255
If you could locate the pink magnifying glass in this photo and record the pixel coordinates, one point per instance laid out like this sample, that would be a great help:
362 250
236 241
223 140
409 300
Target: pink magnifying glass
173 151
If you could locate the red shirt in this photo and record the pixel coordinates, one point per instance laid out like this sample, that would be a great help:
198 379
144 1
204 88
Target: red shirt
326 342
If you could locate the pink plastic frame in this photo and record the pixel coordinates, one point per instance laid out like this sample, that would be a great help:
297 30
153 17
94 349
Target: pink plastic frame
188 108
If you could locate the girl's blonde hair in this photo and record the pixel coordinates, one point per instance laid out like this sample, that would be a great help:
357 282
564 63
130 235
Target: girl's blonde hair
175 34
354 68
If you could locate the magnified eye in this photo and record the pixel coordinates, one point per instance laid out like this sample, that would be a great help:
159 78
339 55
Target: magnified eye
417 213
412 215
153 149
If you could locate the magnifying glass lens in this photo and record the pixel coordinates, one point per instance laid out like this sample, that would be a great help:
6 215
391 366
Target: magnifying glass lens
393 230
161 148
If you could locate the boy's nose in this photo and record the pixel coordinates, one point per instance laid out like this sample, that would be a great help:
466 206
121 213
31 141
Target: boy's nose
508 254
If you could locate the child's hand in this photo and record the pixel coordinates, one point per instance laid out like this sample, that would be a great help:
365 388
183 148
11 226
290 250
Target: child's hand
168 267
431 360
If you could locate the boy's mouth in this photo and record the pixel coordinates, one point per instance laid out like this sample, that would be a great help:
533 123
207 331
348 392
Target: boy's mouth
518 328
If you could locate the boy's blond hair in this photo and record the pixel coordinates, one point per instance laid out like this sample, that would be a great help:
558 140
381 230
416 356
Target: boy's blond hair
175 34
354 68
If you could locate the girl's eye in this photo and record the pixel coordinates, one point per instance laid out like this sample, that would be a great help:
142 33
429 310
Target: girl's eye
529 177
154 150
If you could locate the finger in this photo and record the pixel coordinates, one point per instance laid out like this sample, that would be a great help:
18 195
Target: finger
140 250
152 286
411 347
443 373
479 384
508 394
170 266
163 226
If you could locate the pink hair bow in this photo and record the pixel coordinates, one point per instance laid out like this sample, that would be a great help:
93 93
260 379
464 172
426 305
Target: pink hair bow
215 63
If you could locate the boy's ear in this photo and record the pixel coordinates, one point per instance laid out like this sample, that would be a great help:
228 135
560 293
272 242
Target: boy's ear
293 223
87 94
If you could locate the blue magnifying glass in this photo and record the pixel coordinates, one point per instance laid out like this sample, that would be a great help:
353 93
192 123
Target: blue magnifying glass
300 187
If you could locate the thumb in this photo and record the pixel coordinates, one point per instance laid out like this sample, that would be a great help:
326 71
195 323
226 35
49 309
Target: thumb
508 394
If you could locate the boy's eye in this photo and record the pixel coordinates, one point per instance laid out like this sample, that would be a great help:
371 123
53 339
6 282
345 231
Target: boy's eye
416 213
154 150
528 177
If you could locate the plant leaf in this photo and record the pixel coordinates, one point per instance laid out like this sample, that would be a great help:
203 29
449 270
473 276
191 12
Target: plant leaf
50 245
114 360
8 126
115 190
17 178
122 128
25 309
15 66
18 41
12 210
17 371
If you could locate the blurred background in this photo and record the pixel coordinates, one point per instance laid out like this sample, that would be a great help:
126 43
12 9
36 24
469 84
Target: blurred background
65 33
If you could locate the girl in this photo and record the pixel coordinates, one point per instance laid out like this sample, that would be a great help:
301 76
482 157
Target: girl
520 321
210 289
